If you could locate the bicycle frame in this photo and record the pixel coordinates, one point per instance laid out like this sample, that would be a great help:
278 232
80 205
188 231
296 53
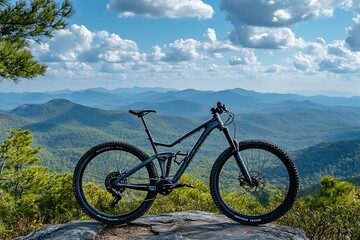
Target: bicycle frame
208 126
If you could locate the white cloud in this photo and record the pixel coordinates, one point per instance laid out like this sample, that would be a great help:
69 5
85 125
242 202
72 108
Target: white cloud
261 37
77 66
162 8
281 15
275 68
80 50
210 35
80 44
265 24
353 40
304 62
287 12
182 50
335 58
244 57
191 49
353 5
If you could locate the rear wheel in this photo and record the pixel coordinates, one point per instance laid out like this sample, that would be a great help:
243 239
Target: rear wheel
94 174
274 189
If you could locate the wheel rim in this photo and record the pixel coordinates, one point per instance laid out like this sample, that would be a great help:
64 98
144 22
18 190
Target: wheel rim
99 173
269 191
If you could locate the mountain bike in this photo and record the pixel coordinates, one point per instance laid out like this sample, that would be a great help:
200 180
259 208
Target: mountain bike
252 182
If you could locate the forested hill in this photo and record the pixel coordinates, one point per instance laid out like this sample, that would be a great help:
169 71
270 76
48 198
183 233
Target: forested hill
65 130
339 159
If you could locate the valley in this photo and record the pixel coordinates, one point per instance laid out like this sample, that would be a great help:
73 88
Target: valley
321 136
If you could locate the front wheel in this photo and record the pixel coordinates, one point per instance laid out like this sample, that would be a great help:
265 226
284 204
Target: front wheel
273 191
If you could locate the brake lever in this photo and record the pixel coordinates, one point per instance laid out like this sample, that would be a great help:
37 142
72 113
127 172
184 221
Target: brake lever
224 108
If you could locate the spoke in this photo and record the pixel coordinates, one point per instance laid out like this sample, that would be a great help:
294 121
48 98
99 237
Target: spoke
264 162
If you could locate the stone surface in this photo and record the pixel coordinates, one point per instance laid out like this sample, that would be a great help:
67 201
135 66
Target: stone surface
196 225
75 230
175 226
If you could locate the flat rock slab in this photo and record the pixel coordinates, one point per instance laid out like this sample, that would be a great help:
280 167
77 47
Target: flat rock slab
74 230
173 226
196 225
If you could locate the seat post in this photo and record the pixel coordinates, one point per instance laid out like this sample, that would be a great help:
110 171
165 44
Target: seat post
150 138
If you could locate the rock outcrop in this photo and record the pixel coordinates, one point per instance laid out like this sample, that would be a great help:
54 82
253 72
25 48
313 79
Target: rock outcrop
180 225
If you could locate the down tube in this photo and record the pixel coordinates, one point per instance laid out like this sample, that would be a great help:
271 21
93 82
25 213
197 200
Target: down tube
208 129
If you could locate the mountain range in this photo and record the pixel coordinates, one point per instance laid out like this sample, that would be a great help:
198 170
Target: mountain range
322 136
185 103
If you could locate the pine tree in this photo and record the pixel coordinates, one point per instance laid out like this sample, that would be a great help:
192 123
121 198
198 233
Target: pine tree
23 21
16 154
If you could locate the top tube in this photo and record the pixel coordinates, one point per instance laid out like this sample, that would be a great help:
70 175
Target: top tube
216 118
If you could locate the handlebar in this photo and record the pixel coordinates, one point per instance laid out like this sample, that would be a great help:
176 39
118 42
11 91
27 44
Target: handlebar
220 108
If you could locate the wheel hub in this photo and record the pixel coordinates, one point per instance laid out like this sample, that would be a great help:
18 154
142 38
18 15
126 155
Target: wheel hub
111 177
258 182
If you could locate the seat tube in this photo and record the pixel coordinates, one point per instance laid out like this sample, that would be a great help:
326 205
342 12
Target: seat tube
150 138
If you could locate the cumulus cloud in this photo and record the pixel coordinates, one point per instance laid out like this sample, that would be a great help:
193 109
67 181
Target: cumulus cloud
190 49
265 24
275 68
279 13
353 40
162 8
244 57
261 37
214 48
80 44
304 62
335 57
78 49
182 50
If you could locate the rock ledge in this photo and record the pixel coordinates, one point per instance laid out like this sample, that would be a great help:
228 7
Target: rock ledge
175 226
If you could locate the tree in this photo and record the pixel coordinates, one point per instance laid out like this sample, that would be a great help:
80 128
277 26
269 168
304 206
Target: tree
16 154
26 21
31 195
332 214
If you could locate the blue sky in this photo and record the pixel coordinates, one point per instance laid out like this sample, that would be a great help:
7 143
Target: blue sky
309 47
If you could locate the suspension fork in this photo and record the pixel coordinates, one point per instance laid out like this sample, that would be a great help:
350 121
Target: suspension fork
234 146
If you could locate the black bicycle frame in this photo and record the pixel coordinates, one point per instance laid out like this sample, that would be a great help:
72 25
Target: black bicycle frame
208 126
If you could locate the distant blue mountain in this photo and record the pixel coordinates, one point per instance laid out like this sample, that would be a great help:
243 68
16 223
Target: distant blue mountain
167 100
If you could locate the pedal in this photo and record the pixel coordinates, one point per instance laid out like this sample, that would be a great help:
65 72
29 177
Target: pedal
189 185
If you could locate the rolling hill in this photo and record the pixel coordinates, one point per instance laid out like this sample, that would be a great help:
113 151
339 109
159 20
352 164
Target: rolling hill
65 130
340 159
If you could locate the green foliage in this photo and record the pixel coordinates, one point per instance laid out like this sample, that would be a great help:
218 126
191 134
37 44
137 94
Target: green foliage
24 21
16 61
333 214
339 158
66 130
31 195
184 199
16 153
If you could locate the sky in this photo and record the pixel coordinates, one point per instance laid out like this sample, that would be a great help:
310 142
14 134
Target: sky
286 46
